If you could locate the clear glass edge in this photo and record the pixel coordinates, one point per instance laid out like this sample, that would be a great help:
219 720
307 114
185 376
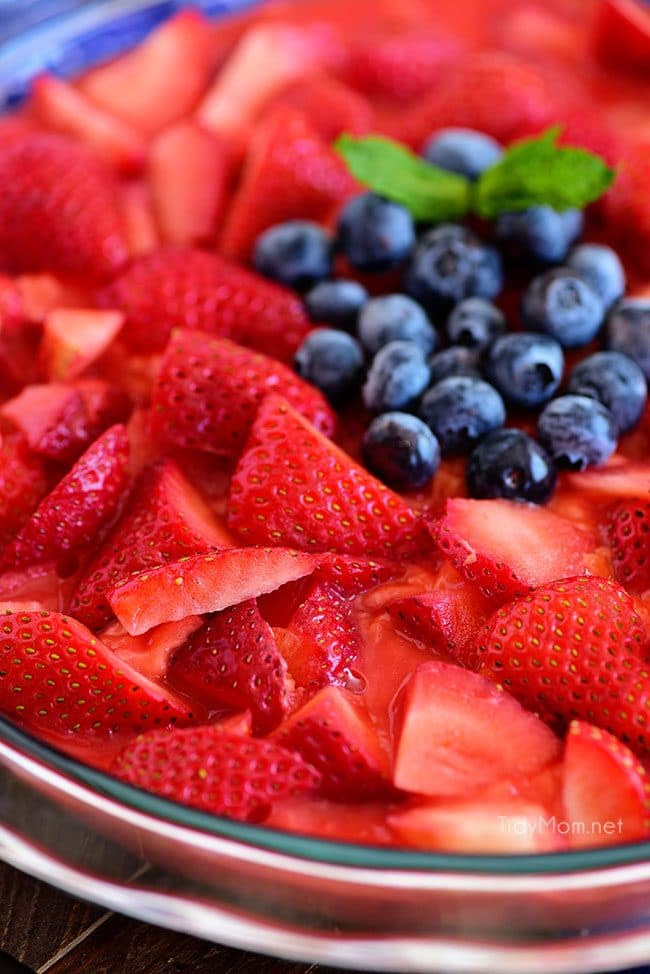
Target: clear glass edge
332 853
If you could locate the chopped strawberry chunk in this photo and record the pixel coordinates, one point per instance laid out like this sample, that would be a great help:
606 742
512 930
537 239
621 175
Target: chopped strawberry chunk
222 773
59 679
80 505
627 205
187 171
627 531
232 662
18 340
457 733
606 790
305 478
159 81
507 548
327 639
150 653
621 479
290 173
74 338
23 484
323 819
61 107
331 106
181 287
137 216
401 66
58 209
203 583
42 293
164 520
621 35
334 733
209 391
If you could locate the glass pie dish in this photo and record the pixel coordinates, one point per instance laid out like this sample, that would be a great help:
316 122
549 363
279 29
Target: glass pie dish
253 887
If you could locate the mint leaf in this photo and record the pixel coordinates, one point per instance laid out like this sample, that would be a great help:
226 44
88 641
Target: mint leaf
388 168
538 172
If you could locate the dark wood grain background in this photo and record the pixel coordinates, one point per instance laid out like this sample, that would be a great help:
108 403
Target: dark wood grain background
44 932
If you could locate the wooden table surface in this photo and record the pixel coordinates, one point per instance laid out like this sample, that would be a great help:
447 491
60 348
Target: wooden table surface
41 930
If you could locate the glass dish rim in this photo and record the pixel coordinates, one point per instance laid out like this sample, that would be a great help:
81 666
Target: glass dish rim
69 23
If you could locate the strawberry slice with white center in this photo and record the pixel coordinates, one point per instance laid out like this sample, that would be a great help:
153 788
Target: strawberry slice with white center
605 791
226 774
151 652
59 680
161 79
187 172
507 548
622 479
334 733
74 338
233 662
73 514
59 106
457 733
203 583
209 391
294 487
164 520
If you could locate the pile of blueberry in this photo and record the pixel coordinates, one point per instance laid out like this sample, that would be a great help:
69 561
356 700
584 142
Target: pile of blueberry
439 365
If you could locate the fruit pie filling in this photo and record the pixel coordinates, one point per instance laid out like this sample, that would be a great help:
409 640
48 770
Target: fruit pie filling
325 475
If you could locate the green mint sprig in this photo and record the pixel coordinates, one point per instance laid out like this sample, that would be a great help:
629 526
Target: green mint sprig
534 172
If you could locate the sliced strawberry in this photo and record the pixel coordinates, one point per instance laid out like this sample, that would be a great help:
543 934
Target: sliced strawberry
137 216
180 287
352 575
574 649
477 826
58 209
187 172
331 106
23 484
401 66
622 479
39 584
61 420
160 80
150 653
225 774
209 391
13 127
290 173
627 531
333 732
621 35
18 340
457 733
328 640
42 293
203 583
264 61
323 819
291 481
59 106
233 662
627 205
73 338
507 548
165 519
80 505
606 790
59 679
445 620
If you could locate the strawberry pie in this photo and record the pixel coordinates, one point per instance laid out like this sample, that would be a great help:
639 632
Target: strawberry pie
324 428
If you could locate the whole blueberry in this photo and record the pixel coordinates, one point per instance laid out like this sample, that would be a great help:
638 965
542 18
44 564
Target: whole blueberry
374 233
297 254
332 361
395 317
562 304
464 151
628 331
509 463
615 380
336 303
475 323
601 267
451 263
456 360
461 410
397 377
526 368
539 234
577 431
401 450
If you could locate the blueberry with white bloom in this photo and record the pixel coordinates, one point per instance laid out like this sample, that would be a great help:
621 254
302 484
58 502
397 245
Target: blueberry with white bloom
461 410
332 361
455 360
615 380
539 234
577 431
395 317
628 331
374 233
336 303
560 303
475 322
602 268
525 367
397 377
297 254
464 151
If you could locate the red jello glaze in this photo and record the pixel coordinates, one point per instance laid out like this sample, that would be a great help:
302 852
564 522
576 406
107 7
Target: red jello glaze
321 630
